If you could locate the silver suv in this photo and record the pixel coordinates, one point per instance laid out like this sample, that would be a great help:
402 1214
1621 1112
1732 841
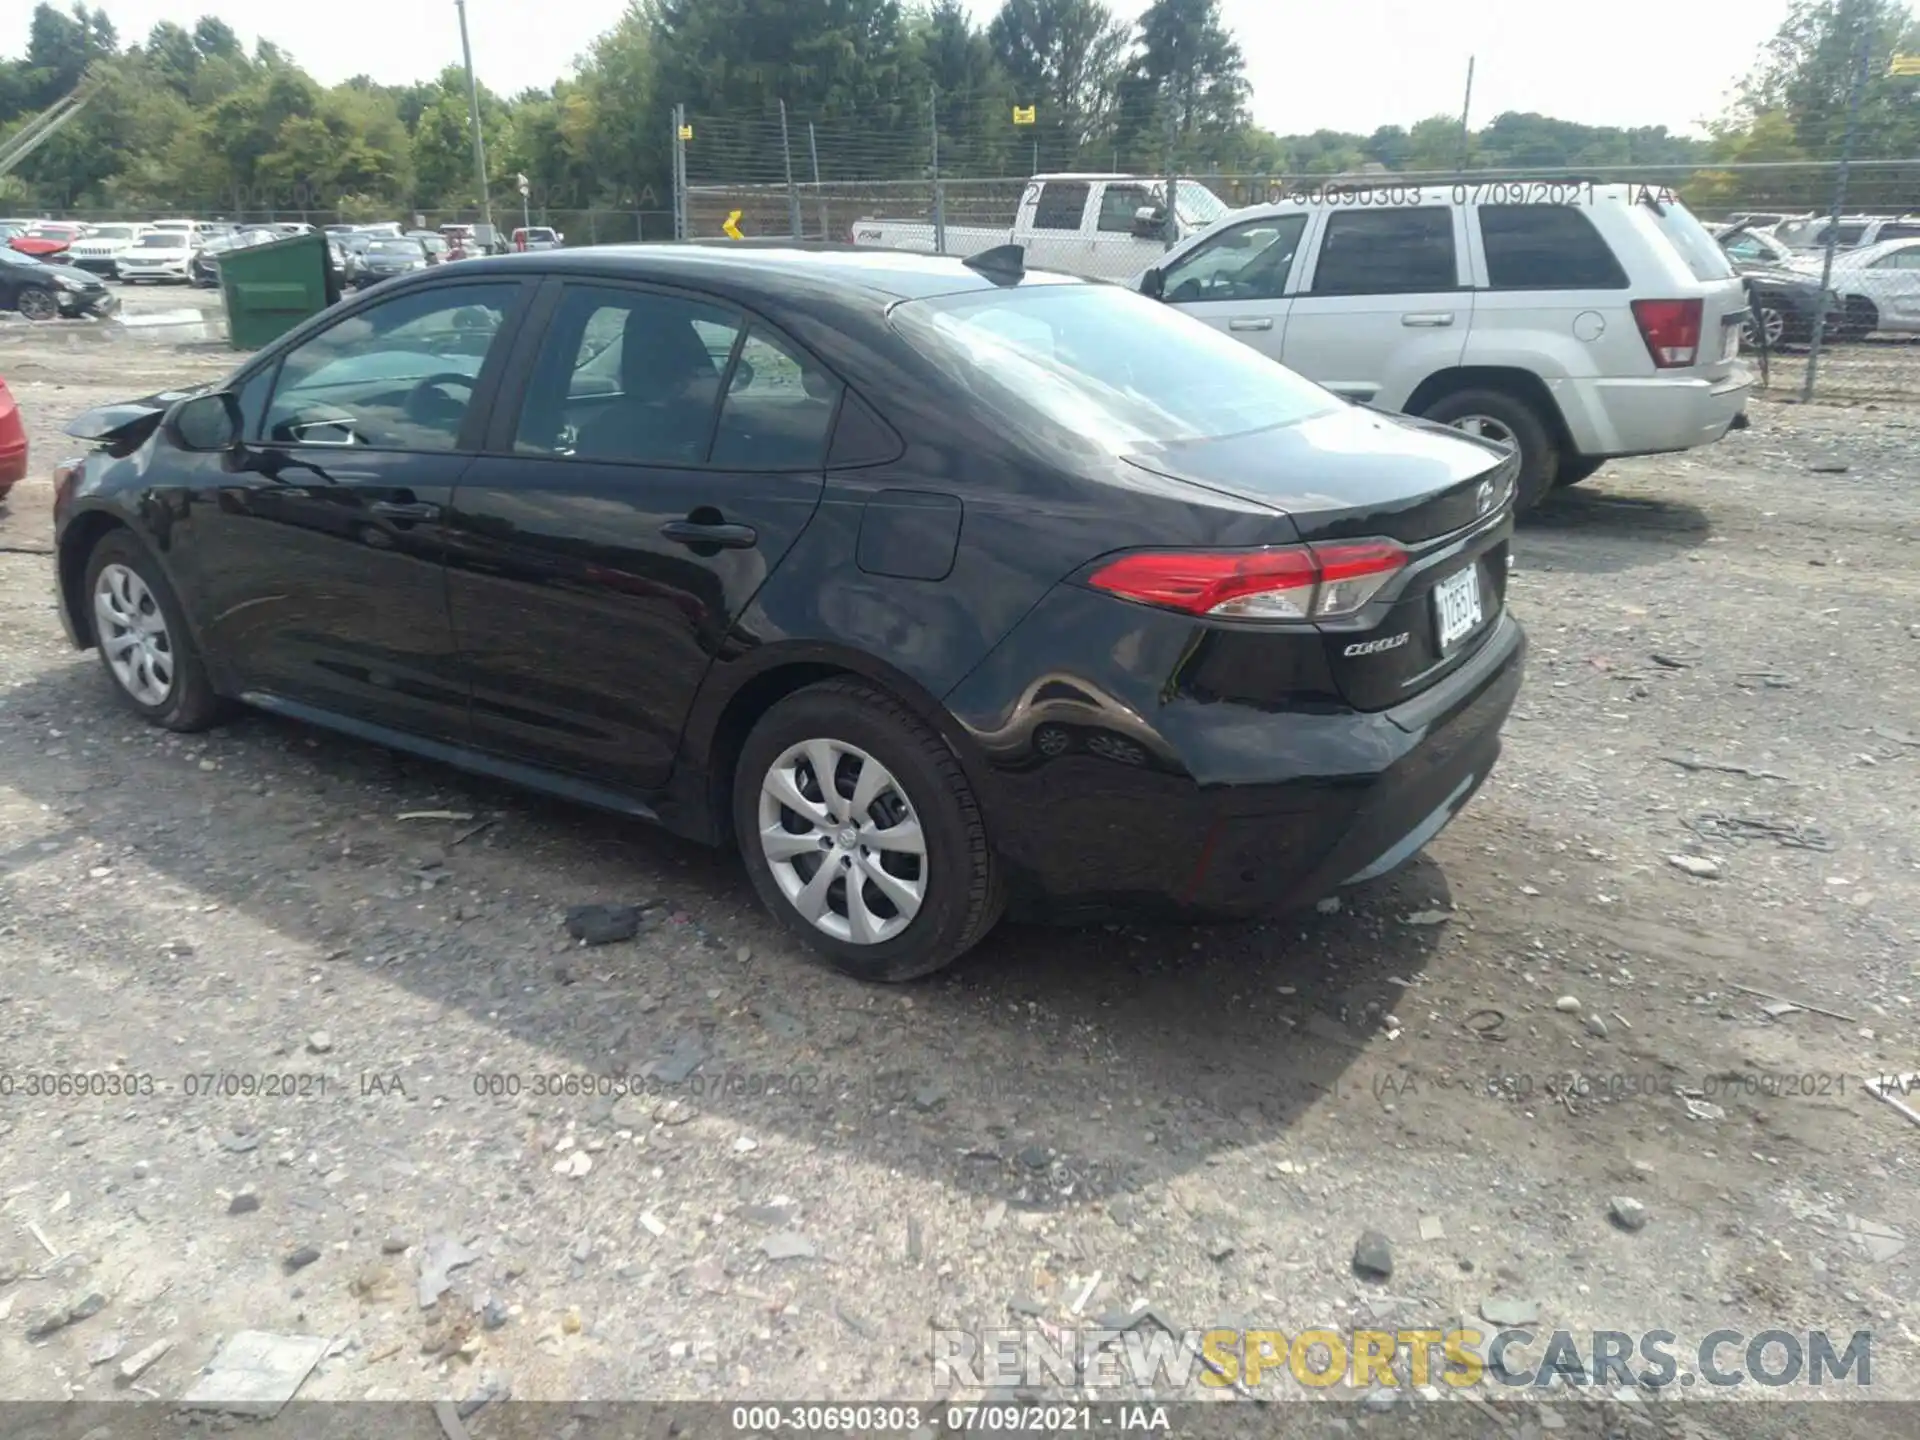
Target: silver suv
1575 321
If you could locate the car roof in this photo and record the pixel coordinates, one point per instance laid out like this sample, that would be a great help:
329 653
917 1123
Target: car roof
1882 247
775 269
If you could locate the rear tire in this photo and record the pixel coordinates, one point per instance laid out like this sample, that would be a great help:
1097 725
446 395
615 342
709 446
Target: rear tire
38 304
1489 412
142 636
949 890
1575 468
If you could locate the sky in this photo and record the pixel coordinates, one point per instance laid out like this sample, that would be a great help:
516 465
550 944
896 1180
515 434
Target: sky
1349 65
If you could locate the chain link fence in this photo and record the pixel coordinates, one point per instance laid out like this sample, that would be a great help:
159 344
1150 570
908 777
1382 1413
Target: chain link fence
890 185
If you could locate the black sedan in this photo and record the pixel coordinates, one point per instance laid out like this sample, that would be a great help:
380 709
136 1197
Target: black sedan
43 291
937 587
1784 303
383 259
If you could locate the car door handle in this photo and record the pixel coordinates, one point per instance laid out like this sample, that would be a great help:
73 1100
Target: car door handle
1433 319
396 510
1261 324
727 537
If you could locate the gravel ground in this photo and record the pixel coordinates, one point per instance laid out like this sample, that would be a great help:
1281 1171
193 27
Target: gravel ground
1070 1122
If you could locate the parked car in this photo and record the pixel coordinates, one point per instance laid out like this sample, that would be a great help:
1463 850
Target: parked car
1137 617
159 255
1762 219
13 442
1853 232
204 268
537 237
47 238
1574 332
1879 287
100 249
47 290
1108 226
1783 302
384 258
433 242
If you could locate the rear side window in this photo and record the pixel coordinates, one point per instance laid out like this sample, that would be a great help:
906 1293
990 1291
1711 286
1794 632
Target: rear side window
1689 237
1546 247
1062 205
1387 252
1899 232
778 409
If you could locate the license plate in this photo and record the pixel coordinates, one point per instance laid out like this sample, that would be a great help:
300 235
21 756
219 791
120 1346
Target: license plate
1456 606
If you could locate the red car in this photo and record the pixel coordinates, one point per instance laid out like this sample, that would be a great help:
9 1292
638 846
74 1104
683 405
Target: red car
13 443
47 238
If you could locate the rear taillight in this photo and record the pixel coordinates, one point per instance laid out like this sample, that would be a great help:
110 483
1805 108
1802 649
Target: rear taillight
1671 329
1282 582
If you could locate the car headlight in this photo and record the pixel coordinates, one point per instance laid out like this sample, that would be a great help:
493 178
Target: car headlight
67 282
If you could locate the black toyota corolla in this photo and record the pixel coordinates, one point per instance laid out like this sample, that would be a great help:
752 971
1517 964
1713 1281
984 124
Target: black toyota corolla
937 587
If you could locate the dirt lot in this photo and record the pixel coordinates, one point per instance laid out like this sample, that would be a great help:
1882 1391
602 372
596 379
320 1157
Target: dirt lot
1071 1122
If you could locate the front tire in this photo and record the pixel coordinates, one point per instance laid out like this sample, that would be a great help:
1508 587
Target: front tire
1497 415
143 640
862 835
37 304
1862 318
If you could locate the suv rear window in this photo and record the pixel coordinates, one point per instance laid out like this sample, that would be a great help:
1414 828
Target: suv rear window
1688 236
1546 247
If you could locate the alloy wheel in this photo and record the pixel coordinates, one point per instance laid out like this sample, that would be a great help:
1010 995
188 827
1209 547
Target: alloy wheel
133 633
1773 324
1485 427
843 841
38 304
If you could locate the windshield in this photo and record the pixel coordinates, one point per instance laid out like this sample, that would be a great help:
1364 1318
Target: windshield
394 247
163 240
1198 205
112 232
1102 363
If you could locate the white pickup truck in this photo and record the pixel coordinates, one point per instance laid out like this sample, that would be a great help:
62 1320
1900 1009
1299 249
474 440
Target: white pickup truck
1108 227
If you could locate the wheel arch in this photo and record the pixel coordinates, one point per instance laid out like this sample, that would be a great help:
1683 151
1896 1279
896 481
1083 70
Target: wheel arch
1521 384
83 535
734 698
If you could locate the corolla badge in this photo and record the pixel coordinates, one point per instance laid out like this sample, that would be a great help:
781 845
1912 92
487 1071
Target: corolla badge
1376 647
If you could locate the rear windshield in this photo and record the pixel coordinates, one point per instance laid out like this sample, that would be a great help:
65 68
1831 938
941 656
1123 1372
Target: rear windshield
1698 248
1105 364
393 247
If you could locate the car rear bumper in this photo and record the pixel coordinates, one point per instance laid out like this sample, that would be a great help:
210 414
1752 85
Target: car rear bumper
1652 415
1317 799
13 462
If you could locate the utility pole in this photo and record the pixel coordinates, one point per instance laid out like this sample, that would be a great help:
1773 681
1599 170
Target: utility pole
939 190
819 191
1839 197
1466 110
473 111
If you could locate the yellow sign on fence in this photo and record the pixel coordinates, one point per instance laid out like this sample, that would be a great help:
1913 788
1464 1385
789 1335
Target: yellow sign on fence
686 132
731 226
1023 114
1905 65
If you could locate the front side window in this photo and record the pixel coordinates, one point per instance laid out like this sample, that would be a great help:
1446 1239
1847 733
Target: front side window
1247 262
1546 247
1907 259
1387 252
628 375
1062 205
1119 204
398 375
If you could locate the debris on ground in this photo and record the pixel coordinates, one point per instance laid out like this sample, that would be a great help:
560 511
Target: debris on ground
603 924
256 1373
1629 1214
1373 1256
1696 865
443 1255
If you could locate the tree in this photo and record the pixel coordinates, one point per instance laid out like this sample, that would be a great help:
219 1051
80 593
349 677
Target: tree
974 96
171 53
1807 74
1194 68
1064 57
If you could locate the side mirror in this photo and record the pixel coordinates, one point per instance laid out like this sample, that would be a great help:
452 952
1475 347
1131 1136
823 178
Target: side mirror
1149 222
206 424
1153 284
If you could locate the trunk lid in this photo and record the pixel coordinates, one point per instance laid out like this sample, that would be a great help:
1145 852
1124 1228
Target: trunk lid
1357 474
1348 474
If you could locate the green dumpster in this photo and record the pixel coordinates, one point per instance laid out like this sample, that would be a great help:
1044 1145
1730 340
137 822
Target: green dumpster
271 288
